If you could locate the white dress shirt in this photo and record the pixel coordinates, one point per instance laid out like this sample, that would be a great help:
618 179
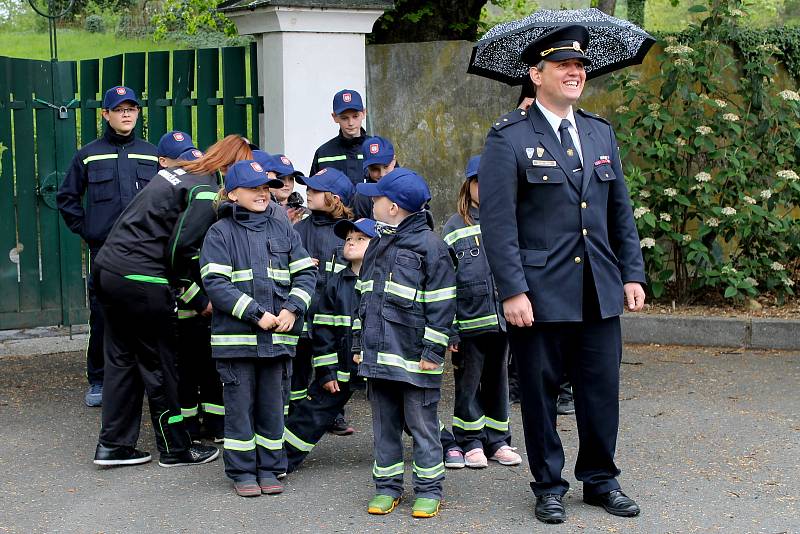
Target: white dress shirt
555 123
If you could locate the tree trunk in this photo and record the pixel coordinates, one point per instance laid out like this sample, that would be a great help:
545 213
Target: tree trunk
606 6
429 20
636 12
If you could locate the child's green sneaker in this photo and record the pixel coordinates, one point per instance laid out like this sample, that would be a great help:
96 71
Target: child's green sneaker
424 507
382 504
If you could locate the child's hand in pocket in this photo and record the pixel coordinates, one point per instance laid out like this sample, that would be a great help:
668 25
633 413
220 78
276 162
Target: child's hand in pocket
425 365
285 320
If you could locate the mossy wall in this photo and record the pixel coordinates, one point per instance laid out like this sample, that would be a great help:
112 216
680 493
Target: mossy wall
421 98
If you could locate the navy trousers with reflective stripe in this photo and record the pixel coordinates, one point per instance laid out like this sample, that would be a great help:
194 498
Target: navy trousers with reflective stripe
139 344
311 417
302 372
253 391
198 380
94 349
481 399
395 404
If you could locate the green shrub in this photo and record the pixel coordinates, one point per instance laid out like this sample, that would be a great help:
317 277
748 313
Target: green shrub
94 24
715 146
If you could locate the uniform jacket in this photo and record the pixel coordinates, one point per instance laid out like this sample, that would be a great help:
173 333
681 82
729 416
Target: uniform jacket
477 307
158 236
541 222
407 303
341 154
332 338
317 237
252 263
109 171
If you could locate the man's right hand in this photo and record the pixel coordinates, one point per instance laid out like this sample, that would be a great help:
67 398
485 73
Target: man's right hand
518 310
268 321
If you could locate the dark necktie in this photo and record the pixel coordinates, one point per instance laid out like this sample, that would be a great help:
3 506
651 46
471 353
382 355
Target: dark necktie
569 147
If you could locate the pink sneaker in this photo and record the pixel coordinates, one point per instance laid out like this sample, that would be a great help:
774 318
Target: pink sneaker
506 456
476 459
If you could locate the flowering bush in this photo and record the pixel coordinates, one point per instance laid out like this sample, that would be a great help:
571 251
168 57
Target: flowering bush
713 151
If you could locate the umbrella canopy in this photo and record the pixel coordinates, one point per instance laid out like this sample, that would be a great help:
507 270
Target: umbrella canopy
613 43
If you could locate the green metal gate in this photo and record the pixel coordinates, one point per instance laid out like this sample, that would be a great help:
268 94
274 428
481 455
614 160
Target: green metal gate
45 107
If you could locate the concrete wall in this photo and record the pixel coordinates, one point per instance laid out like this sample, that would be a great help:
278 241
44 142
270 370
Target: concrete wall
437 116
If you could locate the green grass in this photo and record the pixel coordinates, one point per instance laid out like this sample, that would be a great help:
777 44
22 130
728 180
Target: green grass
74 44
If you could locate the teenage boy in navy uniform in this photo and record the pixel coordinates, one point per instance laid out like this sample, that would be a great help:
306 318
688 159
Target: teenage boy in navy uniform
343 152
564 265
103 178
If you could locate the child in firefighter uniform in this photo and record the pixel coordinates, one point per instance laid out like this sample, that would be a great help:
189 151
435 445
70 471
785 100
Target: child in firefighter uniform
331 348
329 191
260 281
406 307
480 347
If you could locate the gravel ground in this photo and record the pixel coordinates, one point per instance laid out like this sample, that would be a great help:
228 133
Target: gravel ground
709 442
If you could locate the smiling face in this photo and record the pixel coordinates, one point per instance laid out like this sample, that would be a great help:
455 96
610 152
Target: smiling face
282 194
251 198
559 84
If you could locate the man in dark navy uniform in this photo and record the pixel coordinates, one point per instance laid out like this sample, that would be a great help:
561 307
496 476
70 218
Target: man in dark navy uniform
563 247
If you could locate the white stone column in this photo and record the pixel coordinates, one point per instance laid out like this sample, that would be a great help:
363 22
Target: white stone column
305 55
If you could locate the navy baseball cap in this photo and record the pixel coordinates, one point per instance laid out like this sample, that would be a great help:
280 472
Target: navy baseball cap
173 144
402 186
377 151
329 179
191 155
472 167
363 225
284 166
119 94
347 99
248 173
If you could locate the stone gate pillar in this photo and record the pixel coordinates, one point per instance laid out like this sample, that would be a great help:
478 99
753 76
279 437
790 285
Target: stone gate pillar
307 50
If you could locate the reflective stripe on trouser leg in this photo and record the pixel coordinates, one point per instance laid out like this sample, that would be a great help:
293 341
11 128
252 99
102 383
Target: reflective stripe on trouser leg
420 411
468 419
494 391
268 417
386 398
301 372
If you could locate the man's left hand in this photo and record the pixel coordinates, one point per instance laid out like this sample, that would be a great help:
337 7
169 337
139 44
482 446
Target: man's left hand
634 296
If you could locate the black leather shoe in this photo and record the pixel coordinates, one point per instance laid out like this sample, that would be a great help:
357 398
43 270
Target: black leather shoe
550 509
196 454
615 503
110 456
565 405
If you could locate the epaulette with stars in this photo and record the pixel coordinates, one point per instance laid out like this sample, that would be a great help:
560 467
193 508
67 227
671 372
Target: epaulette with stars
510 118
590 115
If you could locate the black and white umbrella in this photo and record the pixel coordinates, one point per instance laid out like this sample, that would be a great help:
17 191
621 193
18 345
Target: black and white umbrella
613 43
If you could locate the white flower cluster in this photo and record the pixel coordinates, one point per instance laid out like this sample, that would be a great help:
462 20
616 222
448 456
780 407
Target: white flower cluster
647 242
727 210
749 200
752 281
720 103
789 95
623 109
788 282
727 269
679 50
788 175
765 194
736 12
703 130
702 177
731 117
638 212
769 47
775 266
687 238
633 83
665 217
712 222
684 62
670 192
680 141
644 193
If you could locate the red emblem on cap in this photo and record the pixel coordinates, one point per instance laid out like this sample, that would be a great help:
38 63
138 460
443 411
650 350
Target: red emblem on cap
322 171
197 153
347 97
121 91
256 167
374 148
285 160
178 136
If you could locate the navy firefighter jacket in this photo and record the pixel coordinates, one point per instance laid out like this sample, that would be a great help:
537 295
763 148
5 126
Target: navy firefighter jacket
332 338
252 263
110 171
342 154
477 307
543 222
407 303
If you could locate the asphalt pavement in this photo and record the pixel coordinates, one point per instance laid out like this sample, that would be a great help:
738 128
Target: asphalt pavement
709 442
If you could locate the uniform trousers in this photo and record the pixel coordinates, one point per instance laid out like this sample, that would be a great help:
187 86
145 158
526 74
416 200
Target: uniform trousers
199 387
139 346
94 349
302 372
253 393
480 412
395 404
